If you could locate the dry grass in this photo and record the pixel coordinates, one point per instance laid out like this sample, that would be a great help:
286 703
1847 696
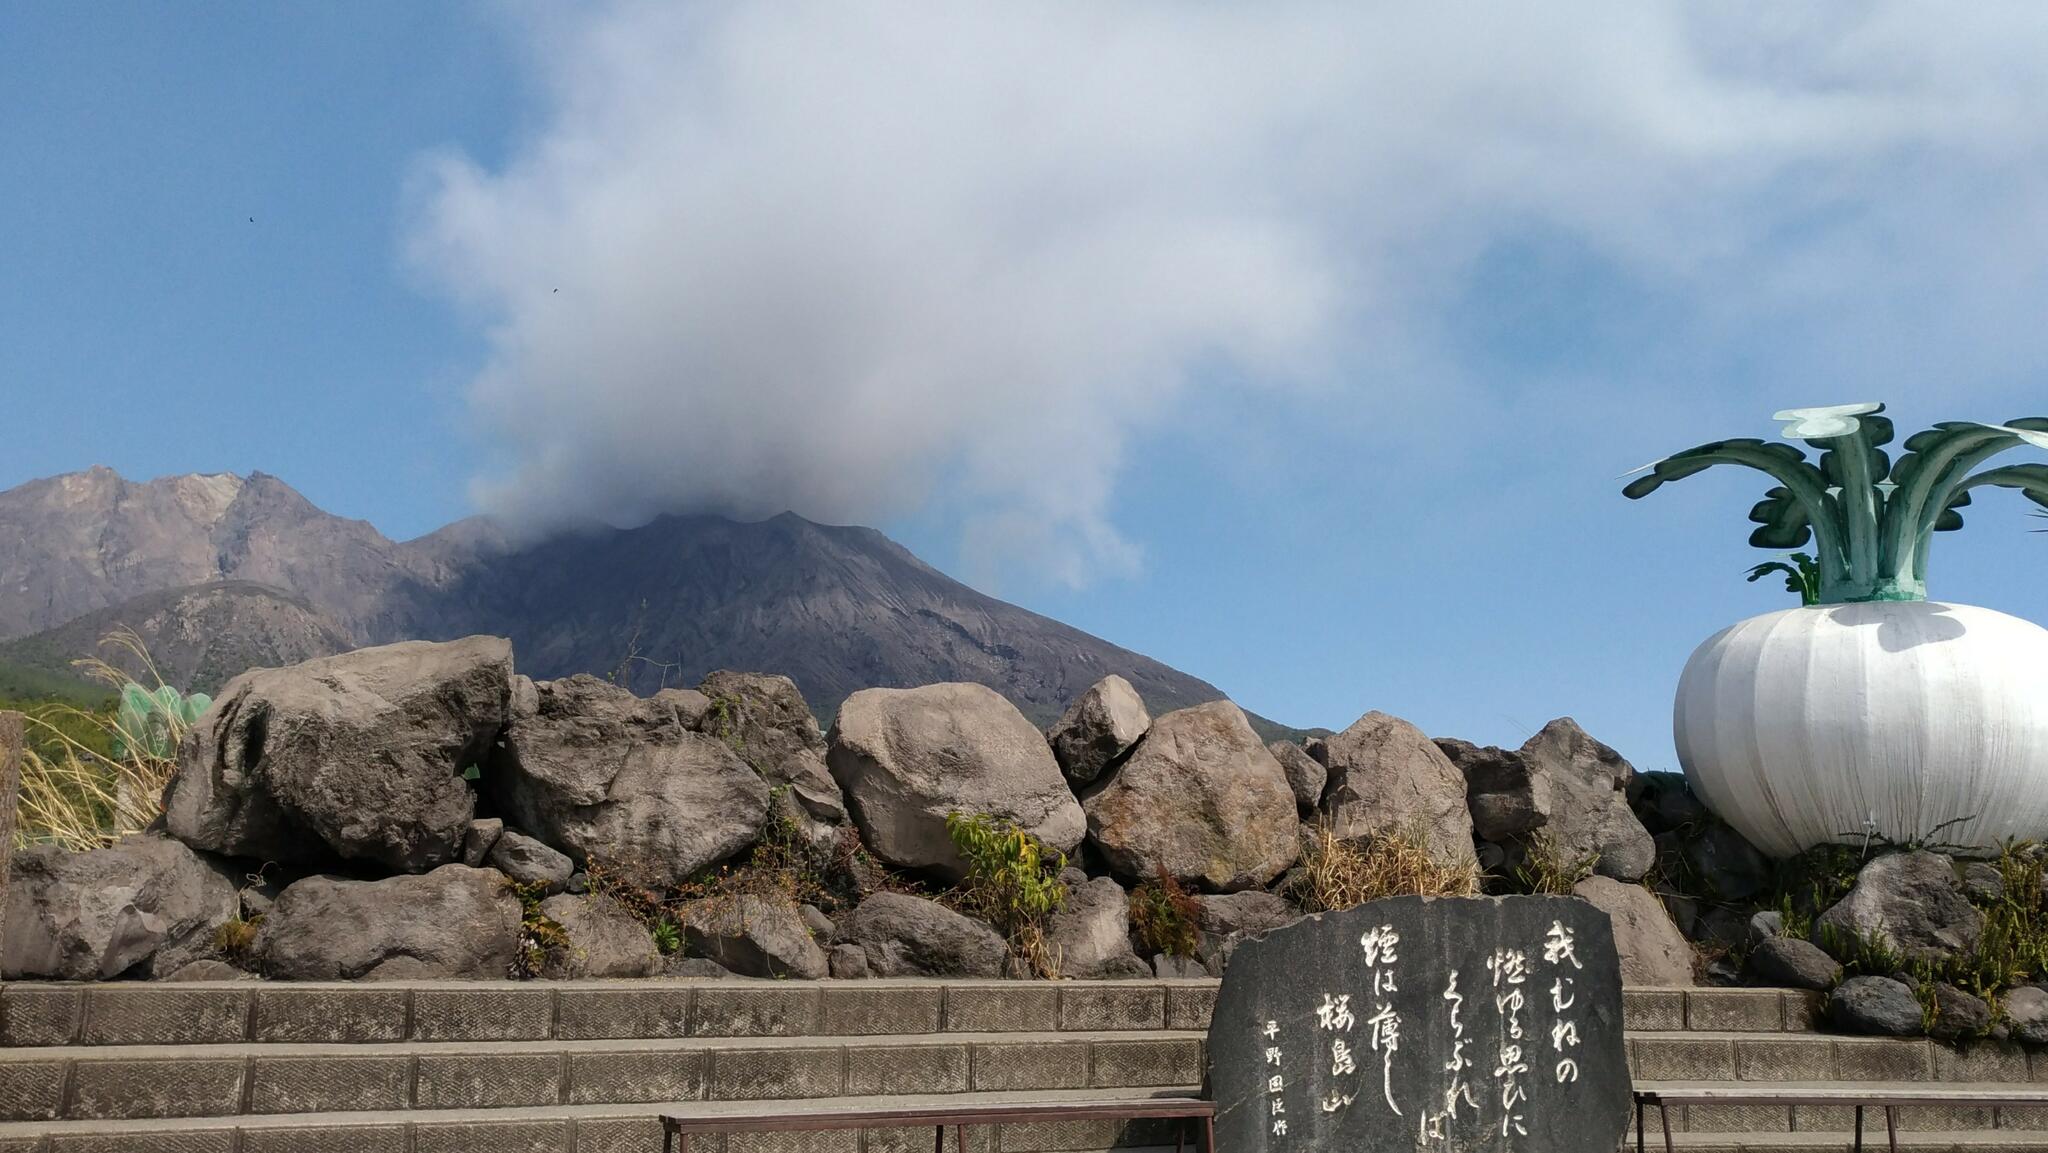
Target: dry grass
1338 874
1549 867
77 796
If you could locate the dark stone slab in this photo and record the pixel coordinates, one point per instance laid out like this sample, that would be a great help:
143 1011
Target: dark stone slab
1400 1026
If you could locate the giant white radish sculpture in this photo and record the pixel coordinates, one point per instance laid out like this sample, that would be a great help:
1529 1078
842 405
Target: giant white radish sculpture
1871 711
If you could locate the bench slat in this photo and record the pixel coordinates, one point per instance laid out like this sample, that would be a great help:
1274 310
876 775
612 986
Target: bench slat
776 1116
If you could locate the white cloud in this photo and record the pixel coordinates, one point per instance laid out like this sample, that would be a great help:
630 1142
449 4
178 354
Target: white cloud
842 257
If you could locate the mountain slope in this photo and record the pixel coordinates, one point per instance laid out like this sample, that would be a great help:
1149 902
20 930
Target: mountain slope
837 609
197 636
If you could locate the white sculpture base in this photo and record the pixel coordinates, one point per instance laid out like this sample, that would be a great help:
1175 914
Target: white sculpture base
1825 723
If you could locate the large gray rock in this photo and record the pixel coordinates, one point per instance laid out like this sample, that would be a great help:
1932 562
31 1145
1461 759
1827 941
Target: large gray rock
1588 789
1100 726
1305 775
764 719
1790 963
1911 902
1199 799
2026 1011
604 940
1653 951
610 777
1091 934
909 757
905 936
92 916
1507 799
1247 913
359 756
1386 777
1878 1006
1723 862
453 922
530 862
752 936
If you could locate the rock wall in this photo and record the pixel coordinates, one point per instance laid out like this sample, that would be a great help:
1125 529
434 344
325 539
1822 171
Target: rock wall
422 810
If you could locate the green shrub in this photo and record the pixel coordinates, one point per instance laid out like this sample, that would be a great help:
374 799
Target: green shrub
1013 882
541 937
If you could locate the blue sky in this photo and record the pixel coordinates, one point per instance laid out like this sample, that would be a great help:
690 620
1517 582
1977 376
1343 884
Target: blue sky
1297 347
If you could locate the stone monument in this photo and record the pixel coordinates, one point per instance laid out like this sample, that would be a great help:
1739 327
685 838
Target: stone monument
1424 1023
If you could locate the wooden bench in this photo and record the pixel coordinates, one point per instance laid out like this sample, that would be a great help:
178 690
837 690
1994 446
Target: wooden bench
1888 1097
787 1116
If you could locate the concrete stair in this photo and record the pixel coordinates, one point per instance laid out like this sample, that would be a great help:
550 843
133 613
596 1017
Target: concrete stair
243 1067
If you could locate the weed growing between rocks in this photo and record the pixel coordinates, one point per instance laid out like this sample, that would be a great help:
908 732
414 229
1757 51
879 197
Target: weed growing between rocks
1167 917
541 938
1012 882
1548 865
233 939
1335 873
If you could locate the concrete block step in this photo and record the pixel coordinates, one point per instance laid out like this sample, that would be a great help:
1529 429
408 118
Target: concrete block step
1730 1118
573 1129
1709 1056
122 1082
133 1013
1932 1141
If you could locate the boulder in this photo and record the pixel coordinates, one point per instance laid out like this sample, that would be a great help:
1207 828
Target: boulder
905 936
1589 812
530 862
2026 1011
907 758
1653 951
1174 968
1911 902
848 962
1386 777
604 940
1506 799
1100 726
360 756
690 706
94 915
607 776
482 836
1201 800
1724 863
1958 1015
1983 883
764 719
815 922
681 966
1664 803
1763 924
453 922
1305 775
1091 934
1877 1006
752 936
207 970
1248 913
1790 963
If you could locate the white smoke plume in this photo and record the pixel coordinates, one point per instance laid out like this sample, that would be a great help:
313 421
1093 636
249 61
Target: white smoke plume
850 257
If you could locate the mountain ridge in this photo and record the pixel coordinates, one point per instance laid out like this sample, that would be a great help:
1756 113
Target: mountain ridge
836 608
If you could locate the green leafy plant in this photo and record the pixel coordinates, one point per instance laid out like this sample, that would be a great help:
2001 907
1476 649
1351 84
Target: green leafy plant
1802 576
1166 916
1012 881
668 937
1870 520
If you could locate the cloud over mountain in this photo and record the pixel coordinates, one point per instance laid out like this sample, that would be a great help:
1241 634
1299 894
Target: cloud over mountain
841 259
